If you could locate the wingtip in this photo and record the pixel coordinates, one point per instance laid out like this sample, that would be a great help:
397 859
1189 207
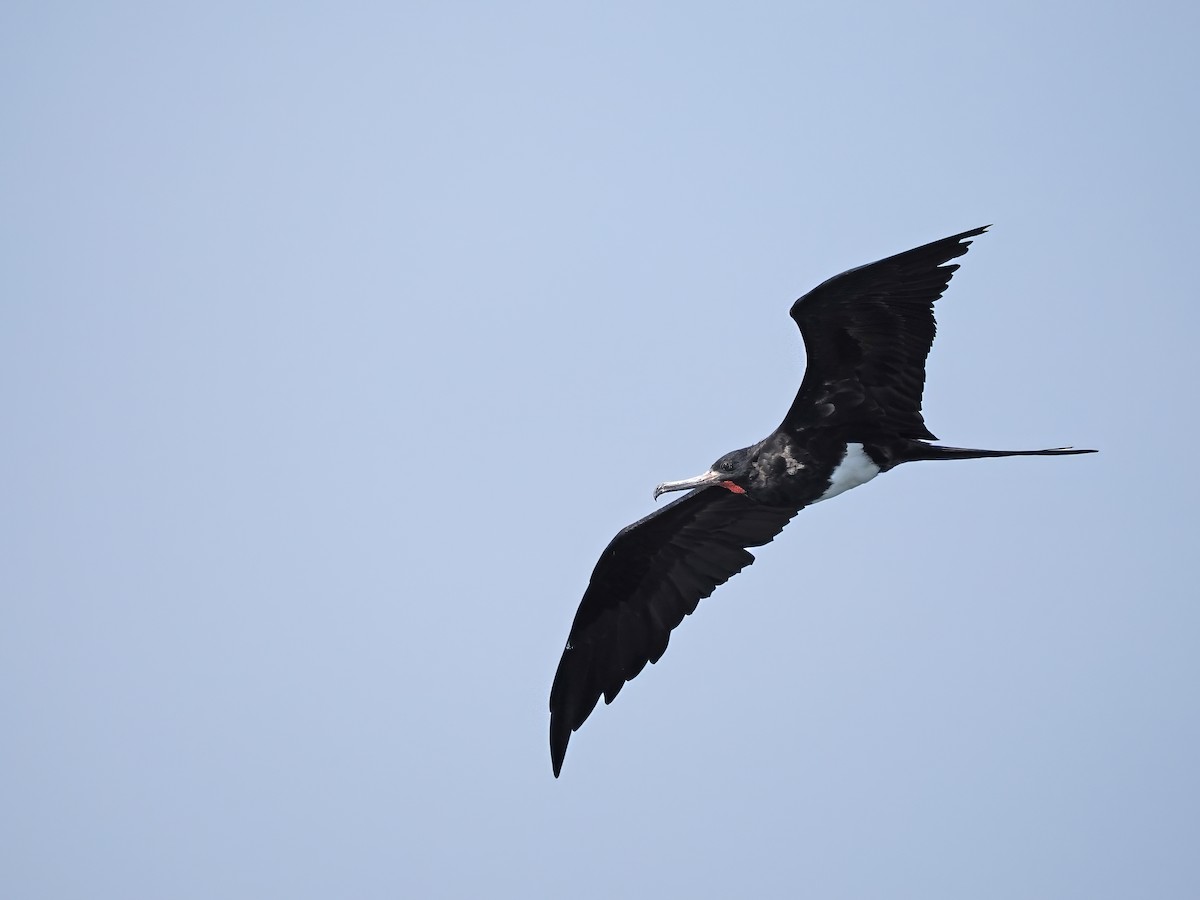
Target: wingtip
559 738
974 232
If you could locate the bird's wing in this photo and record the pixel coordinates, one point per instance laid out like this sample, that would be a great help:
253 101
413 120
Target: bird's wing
650 576
867 333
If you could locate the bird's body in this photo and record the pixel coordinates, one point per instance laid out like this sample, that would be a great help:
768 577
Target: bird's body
867 333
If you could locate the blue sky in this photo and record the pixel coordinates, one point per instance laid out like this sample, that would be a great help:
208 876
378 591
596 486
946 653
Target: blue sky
336 341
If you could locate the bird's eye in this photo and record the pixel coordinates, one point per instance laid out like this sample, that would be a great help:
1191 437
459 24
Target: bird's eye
726 466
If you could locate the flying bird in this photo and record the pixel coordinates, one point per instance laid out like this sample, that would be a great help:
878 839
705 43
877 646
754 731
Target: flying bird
866 334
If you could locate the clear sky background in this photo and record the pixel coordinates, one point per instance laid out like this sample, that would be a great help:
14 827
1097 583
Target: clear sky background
337 340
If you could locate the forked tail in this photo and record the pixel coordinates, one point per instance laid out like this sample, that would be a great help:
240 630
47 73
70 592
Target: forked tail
918 450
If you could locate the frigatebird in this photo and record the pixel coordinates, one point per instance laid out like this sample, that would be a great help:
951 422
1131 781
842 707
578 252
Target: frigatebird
866 334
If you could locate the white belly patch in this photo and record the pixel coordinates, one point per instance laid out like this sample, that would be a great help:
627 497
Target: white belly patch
855 468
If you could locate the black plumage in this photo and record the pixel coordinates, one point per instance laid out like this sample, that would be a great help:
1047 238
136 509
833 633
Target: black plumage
867 333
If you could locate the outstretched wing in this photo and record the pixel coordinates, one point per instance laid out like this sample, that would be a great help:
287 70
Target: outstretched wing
650 576
867 333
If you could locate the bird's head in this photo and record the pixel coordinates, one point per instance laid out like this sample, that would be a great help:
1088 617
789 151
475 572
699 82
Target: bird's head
731 472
